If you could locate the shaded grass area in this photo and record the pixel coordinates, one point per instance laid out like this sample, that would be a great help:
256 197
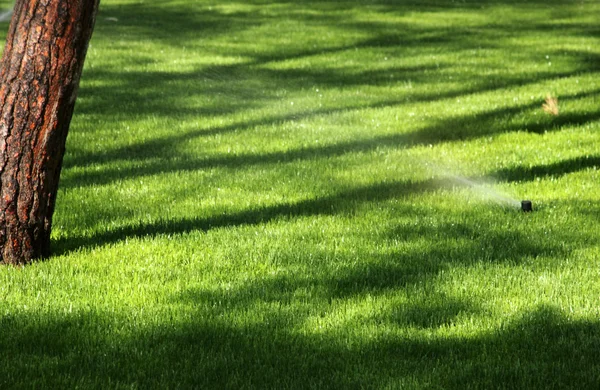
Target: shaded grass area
531 351
322 194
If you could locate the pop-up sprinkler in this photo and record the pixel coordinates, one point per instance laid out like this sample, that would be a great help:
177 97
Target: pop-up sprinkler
526 206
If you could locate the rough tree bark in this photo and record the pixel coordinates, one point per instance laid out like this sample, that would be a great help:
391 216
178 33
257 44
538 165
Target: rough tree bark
39 77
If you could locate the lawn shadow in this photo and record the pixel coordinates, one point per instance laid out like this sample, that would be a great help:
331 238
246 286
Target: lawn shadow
459 128
230 89
174 25
538 349
335 203
340 202
563 167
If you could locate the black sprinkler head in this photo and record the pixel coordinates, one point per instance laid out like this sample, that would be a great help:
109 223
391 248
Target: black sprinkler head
526 206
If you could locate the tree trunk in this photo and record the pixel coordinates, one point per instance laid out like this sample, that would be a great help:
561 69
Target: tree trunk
39 75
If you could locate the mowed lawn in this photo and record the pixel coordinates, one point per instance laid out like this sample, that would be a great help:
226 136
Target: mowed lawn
322 194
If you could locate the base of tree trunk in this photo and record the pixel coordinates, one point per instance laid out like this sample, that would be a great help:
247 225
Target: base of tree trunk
39 78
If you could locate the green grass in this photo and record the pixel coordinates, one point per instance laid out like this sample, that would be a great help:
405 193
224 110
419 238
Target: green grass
268 194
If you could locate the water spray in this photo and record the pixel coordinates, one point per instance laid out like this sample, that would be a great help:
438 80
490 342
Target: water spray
482 187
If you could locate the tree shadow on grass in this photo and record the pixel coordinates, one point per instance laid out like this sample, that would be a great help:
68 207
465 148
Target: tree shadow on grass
225 90
172 24
273 344
263 333
113 92
327 205
477 240
539 349
449 130
335 275
340 202
563 167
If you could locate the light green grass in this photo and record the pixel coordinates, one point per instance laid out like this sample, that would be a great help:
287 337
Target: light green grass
269 194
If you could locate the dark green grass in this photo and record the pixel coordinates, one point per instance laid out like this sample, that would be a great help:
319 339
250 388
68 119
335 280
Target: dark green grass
278 194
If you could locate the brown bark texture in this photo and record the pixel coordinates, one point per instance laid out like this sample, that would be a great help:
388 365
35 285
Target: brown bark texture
39 77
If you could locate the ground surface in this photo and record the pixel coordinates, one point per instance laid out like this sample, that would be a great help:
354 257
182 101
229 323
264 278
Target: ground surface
297 194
